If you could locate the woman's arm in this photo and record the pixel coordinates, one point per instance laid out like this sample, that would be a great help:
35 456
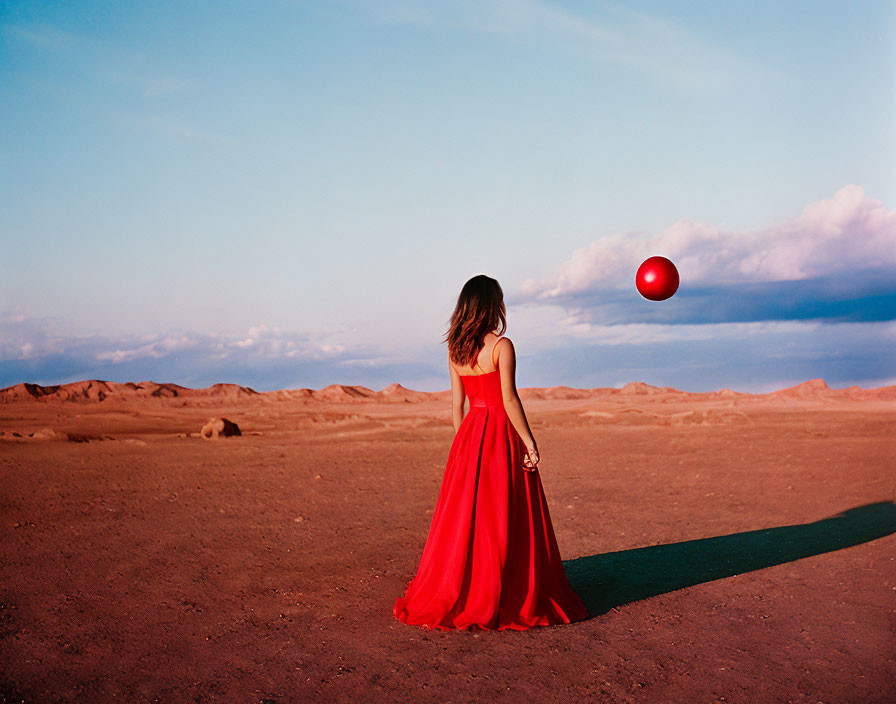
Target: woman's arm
512 403
458 396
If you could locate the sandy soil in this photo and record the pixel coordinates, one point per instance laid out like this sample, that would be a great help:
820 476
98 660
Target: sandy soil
731 548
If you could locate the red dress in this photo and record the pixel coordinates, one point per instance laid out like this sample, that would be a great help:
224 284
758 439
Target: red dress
491 559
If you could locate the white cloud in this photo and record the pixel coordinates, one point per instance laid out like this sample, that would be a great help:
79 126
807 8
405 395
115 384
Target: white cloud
849 232
23 338
258 342
161 347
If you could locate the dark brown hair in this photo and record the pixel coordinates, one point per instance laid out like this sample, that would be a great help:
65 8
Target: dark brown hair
479 311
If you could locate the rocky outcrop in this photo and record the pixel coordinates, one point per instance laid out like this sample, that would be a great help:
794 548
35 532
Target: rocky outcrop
219 428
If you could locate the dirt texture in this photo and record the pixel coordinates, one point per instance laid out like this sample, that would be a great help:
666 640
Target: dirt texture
730 548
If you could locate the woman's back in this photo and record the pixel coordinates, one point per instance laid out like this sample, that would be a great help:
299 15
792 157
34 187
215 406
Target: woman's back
484 390
482 384
486 361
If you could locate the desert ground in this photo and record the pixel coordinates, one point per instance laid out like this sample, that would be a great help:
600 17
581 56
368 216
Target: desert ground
729 547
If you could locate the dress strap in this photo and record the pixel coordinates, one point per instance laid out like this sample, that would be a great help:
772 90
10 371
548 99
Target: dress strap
494 347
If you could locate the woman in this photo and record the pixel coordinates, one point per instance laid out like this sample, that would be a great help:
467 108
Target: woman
491 559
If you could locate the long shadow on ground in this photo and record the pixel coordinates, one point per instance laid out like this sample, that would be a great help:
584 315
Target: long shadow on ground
610 579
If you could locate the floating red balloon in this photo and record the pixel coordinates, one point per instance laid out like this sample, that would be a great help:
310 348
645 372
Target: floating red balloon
657 279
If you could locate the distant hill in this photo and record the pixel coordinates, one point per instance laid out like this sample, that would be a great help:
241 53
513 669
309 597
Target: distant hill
97 391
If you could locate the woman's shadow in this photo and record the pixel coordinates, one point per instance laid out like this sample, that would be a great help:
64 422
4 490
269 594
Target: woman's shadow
615 578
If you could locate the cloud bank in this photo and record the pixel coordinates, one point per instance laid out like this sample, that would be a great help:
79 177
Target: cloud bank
814 296
834 262
265 358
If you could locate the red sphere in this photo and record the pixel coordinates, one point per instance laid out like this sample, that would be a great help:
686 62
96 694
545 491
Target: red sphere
657 279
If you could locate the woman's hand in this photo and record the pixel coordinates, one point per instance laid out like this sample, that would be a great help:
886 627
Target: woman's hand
530 461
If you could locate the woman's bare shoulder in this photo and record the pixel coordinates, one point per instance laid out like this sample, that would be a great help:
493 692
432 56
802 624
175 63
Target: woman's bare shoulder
503 350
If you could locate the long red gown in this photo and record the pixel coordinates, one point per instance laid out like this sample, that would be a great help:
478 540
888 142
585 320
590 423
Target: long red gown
491 559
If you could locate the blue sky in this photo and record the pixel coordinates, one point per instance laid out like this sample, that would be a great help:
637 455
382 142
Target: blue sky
286 194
